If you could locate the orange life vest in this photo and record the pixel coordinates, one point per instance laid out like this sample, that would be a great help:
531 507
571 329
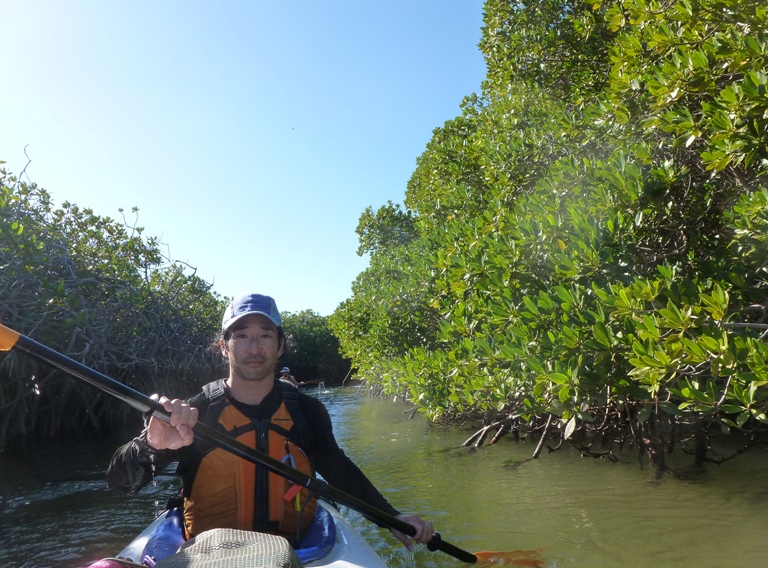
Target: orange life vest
230 492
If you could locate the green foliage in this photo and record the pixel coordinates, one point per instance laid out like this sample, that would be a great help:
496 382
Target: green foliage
389 227
98 291
591 231
558 45
698 72
491 154
313 352
389 311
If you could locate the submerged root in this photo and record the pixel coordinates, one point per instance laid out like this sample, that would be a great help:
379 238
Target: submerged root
478 438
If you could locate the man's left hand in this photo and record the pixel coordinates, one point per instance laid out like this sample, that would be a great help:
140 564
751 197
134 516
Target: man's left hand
424 531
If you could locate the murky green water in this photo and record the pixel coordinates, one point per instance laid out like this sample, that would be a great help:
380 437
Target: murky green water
55 508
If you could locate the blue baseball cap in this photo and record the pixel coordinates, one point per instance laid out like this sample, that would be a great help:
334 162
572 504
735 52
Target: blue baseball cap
250 304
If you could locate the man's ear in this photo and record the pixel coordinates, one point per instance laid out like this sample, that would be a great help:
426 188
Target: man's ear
223 347
281 347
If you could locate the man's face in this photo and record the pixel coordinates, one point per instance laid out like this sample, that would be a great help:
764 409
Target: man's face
252 349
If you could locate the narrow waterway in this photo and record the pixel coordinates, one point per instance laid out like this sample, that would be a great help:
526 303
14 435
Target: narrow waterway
56 510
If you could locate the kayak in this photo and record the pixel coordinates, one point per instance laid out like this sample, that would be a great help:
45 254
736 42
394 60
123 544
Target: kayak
330 542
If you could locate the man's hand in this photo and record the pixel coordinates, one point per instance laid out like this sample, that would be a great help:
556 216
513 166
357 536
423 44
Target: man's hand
164 436
424 531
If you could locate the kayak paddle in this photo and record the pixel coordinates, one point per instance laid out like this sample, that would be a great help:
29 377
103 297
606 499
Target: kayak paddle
13 340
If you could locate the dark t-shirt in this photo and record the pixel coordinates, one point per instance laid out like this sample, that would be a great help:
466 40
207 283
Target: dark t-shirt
134 465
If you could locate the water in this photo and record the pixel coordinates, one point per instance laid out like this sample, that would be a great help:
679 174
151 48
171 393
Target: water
56 511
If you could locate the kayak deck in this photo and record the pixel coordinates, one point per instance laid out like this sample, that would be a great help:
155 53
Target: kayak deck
330 542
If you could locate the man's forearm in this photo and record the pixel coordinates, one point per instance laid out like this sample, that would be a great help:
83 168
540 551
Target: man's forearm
134 465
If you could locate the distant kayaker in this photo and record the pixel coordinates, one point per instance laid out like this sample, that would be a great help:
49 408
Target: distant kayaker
285 374
221 490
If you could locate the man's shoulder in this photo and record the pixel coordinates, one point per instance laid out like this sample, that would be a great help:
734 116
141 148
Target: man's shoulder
210 392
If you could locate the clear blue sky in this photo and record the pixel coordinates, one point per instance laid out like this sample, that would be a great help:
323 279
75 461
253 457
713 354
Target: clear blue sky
251 135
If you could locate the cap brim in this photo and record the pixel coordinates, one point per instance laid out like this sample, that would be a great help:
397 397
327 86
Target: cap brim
238 317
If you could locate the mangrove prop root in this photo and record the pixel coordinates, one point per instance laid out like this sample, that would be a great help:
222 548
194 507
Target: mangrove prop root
543 438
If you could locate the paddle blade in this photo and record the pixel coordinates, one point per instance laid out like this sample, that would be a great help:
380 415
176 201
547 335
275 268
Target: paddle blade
8 338
521 558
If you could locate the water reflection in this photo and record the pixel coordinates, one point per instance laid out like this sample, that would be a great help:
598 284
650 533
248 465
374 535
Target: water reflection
583 512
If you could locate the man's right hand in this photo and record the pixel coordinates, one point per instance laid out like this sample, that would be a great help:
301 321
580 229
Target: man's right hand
164 436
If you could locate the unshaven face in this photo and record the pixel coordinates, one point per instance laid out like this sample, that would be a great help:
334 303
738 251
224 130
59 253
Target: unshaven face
252 349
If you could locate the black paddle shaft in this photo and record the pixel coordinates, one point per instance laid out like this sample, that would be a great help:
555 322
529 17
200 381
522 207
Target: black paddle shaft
148 405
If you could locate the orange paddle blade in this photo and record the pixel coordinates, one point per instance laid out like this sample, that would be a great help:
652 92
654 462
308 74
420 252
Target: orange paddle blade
8 338
521 558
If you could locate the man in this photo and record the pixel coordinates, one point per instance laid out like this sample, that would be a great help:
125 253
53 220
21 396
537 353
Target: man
221 490
285 374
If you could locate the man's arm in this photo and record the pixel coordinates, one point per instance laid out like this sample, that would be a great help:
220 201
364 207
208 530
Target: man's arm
135 464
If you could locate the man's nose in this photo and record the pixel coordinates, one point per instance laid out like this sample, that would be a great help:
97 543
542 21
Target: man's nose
254 344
